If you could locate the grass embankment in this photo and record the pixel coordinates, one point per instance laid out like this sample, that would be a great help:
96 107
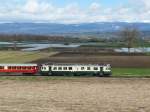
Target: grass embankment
22 57
131 72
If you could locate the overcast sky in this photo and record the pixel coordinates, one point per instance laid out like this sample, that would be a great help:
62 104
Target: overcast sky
74 11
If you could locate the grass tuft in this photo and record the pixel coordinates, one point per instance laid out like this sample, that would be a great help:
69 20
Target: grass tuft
131 72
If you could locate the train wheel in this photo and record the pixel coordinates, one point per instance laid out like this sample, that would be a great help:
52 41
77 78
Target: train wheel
101 74
107 75
27 74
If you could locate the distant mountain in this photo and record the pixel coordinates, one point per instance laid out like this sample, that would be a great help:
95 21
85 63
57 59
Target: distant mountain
54 28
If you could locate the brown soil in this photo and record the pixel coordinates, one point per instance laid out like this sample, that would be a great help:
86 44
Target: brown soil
115 60
77 95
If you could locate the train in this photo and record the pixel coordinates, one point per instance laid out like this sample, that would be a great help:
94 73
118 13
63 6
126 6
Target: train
56 69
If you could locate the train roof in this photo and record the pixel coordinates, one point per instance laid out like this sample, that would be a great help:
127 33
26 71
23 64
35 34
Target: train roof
69 64
28 64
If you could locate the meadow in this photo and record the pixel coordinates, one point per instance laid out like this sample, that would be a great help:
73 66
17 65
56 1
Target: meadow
22 57
131 72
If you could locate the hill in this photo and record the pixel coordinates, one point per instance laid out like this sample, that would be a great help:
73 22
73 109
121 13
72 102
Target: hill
59 29
54 28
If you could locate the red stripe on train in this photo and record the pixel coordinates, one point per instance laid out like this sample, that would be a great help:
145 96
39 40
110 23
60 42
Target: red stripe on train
19 71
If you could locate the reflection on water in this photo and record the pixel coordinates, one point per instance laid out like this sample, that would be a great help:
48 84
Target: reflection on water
132 50
34 47
30 46
5 43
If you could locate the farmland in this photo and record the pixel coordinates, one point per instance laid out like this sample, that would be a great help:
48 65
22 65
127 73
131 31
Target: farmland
117 61
57 94
22 57
126 91
122 65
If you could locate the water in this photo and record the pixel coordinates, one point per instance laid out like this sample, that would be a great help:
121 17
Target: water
5 43
132 50
37 46
34 47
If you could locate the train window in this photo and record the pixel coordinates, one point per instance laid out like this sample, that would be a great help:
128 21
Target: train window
70 68
14 67
43 68
1 67
23 67
55 68
82 68
59 68
64 68
29 68
95 68
88 68
19 68
9 67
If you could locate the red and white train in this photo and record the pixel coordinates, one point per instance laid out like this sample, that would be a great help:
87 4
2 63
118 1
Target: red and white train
19 68
57 69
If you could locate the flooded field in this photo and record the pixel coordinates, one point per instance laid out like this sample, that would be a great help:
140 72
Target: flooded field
75 95
34 46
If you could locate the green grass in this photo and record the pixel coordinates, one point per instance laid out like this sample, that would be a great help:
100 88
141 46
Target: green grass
22 57
131 72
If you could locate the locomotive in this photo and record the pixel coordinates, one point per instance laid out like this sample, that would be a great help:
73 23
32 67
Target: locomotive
57 69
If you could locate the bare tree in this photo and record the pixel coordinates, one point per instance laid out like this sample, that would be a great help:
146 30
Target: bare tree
130 36
14 40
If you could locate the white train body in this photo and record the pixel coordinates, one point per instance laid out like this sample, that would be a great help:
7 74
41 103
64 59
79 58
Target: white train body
76 69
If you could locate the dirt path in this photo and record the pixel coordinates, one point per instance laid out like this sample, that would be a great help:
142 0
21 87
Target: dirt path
79 95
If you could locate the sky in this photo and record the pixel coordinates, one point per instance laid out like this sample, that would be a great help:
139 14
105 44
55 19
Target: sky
74 11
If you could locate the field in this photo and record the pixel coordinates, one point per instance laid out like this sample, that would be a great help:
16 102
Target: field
118 93
62 94
122 65
22 57
117 61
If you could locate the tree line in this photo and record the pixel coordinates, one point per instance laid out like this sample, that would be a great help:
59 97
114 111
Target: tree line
36 38
129 36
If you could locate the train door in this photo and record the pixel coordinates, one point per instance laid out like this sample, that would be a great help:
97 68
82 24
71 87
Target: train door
50 70
101 73
101 69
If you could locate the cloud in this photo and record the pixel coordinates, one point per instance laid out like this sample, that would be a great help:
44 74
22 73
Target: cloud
42 11
95 7
32 6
